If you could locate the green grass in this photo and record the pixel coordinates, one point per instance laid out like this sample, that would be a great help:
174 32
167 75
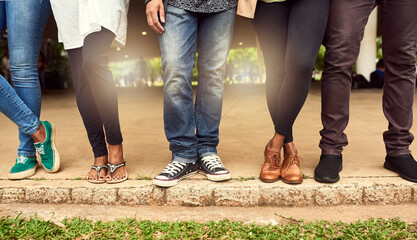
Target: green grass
40 179
34 228
242 179
143 177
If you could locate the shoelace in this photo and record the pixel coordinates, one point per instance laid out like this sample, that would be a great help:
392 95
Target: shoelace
173 168
295 159
41 150
274 161
21 160
212 162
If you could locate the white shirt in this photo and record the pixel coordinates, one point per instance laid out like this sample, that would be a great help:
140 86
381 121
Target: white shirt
76 19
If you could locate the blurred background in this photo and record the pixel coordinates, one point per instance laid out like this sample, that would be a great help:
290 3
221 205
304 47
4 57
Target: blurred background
138 65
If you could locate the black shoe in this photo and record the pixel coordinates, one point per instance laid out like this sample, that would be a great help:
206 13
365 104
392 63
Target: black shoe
174 173
327 171
405 165
213 168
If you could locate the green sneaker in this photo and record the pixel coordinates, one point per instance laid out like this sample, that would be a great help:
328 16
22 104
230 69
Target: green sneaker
47 150
24 168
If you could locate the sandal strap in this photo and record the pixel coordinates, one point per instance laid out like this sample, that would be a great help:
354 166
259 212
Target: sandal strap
99 167
114 167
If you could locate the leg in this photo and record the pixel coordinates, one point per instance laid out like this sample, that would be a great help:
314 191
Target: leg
16 110
271 25
87 105
103 88
342 40
270 22
89 113
25 24
311 17
399 48
215 33
178 47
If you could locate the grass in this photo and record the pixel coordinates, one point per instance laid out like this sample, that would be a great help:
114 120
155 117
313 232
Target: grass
35 228
40 179
143 177
242 179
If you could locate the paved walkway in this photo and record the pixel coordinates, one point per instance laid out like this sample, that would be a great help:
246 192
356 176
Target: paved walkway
245 129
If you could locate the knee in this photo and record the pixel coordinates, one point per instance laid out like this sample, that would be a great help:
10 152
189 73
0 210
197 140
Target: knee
342 51
92 63
23 68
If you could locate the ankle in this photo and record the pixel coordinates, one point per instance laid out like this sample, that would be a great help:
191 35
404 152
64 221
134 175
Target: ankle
290 149
102 160
115 153
276 143
39 135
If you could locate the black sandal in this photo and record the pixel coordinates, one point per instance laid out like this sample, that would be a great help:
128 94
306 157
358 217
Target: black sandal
98 169
112 168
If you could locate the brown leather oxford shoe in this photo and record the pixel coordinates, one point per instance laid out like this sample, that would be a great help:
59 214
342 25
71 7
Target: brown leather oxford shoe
290 171
271 169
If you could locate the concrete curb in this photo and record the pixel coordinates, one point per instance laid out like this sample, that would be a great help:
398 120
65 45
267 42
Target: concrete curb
353 191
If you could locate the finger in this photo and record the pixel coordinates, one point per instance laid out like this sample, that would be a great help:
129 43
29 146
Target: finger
151 22
162 13
156 22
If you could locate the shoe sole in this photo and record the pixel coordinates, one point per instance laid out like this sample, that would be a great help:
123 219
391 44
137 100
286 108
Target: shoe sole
24 174
217 177
117 181
292 182
268 180
170 183
328 179
96 181
57 160
388 166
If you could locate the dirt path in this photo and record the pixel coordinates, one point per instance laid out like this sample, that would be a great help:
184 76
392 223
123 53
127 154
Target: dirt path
259 215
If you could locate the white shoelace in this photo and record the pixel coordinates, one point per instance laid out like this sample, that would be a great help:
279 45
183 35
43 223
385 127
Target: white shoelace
212 162
41 150
174 168
21 160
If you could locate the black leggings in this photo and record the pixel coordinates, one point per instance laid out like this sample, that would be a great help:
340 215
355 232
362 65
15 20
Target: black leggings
290 34
95 91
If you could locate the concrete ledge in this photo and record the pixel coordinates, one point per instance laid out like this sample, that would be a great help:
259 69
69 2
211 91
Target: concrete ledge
350 191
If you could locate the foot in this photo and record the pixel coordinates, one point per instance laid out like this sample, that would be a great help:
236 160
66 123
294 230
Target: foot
290 171
404 165
116 159
213 168
24 168
174 172
271 169
327 171
98 171
47 150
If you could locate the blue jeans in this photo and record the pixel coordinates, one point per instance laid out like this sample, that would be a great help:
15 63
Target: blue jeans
25 20
193 129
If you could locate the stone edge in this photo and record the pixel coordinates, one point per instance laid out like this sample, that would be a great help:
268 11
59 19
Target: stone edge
223 194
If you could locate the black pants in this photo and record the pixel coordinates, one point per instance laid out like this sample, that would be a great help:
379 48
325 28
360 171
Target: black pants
290 34
95 91
399 44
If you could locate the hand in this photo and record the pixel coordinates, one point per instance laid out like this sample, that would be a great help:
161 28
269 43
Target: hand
153 8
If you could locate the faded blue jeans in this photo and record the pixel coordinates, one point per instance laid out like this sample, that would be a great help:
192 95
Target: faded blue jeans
193 129
25 21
